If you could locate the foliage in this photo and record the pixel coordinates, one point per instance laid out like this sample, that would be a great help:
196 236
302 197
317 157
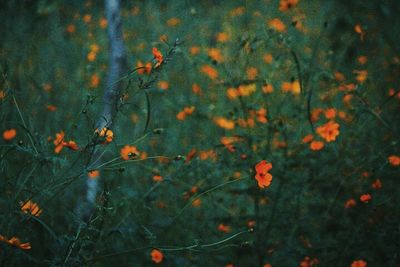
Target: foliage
248 133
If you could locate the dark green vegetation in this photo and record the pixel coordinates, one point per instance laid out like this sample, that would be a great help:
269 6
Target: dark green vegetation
246 81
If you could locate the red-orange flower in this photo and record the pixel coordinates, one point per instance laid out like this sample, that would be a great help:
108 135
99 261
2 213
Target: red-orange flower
209 71
394 160
129 152
58 142
105 133
9 134
158 57
262 176
350 203
224 228
359 263
31 207
15 242
329 131
377 184
365 198
316 145
93 174
156 256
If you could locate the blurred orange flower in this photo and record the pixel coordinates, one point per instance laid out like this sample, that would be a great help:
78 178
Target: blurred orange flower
285 5
15 242
129 152
224 123
93 174
394 160
316 145
106 133
215 54
143 68
277 25
173 22
377 184
263 177
156 256
365 198
158 56
359 263
209 71
9 134
307 139
224 228
94 80
31 207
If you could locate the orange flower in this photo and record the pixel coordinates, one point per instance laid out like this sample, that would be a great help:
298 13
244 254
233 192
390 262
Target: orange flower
293 87
196 203
143 68
94 81
129 152
359 30
156 256
377 184
215 54
224 228
157 56
229 141
209 71
361 75
394 160
365 198
315 113
267 88
31 207
252 73
330 113
277 25
224 123
2 94
194 50
359 263
172 22
58 142
267 265
350 203
196 89
103 23
106 133
267 58
51 108
71 28
285 5
71 145
222 37
307 139
157 178
329 131
9 134
93 174
316 145
15 242
262 115
262 176
164 85
192 153
186 111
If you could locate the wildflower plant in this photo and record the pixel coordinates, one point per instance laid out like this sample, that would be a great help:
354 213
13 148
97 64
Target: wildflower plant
262 133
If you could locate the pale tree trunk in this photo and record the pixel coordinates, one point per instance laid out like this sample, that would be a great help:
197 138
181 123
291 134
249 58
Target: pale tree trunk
112 93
